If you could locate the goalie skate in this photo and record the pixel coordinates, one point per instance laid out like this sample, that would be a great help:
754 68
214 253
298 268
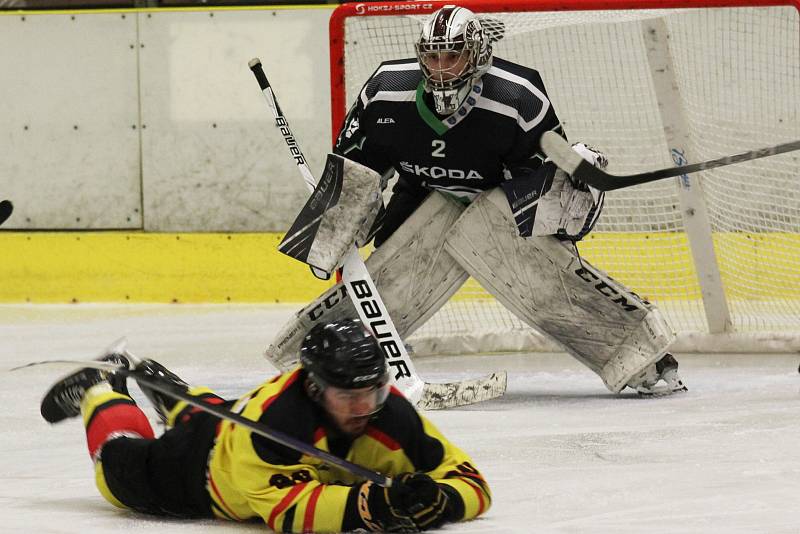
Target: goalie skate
659 379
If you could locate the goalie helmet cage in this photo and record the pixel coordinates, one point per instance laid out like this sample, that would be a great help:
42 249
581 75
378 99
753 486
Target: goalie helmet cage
651 83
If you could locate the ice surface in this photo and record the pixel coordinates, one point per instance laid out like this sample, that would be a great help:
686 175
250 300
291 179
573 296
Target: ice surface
561 453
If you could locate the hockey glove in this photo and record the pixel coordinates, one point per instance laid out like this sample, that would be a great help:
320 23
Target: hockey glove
420 497
593 156
381 509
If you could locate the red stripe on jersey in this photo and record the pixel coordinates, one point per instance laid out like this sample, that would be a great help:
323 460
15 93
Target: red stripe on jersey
284 504
113 420
394 391
387 441
189 410
479 492
473 476
311 508
220 499
319 434
291 380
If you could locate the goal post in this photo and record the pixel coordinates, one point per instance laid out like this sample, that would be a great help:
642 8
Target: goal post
651 83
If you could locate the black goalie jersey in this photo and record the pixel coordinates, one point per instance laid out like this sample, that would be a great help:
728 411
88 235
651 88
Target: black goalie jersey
492 137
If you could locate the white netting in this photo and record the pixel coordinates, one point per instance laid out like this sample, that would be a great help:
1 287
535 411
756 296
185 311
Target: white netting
738 73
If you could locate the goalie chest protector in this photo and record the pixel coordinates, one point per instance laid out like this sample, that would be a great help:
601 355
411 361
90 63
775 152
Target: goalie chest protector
496 129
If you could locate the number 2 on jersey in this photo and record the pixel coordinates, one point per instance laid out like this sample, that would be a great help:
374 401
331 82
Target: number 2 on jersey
438 148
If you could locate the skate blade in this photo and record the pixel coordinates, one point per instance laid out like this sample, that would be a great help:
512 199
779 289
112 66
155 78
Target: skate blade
661 391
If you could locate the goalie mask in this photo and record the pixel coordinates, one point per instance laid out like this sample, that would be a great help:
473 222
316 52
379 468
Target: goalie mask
453 51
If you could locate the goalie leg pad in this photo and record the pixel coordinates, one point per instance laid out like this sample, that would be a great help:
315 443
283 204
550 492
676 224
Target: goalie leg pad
412 272
597 320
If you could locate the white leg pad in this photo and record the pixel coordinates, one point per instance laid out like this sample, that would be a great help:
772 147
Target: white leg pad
414 276
541 280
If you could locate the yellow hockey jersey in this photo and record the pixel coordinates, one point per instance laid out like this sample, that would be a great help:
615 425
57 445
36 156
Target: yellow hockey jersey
250 476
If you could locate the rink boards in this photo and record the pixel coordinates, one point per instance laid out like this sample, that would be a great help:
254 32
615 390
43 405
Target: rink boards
56 267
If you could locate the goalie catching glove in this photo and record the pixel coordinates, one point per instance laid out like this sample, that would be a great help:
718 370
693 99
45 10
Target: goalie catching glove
570 208
593 156
413 503
551 202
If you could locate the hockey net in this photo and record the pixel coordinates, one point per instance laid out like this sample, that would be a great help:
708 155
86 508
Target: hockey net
736 69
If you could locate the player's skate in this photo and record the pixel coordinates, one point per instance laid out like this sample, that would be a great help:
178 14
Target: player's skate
161 402
153 370
63 400
661 378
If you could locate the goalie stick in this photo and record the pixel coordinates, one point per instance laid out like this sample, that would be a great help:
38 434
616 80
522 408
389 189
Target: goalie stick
561 153
223 413
362 291
6 209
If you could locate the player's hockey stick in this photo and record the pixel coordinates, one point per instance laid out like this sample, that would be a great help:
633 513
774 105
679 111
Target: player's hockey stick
224 413
6 209
362 291
559 150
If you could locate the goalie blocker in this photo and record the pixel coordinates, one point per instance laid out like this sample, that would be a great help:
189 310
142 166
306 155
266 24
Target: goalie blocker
338 213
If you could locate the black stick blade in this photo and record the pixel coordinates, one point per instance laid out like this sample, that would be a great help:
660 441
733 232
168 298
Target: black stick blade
6 209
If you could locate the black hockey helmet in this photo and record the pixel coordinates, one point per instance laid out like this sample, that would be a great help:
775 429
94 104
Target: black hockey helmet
343 354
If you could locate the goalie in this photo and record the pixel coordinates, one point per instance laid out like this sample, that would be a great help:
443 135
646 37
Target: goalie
475 196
